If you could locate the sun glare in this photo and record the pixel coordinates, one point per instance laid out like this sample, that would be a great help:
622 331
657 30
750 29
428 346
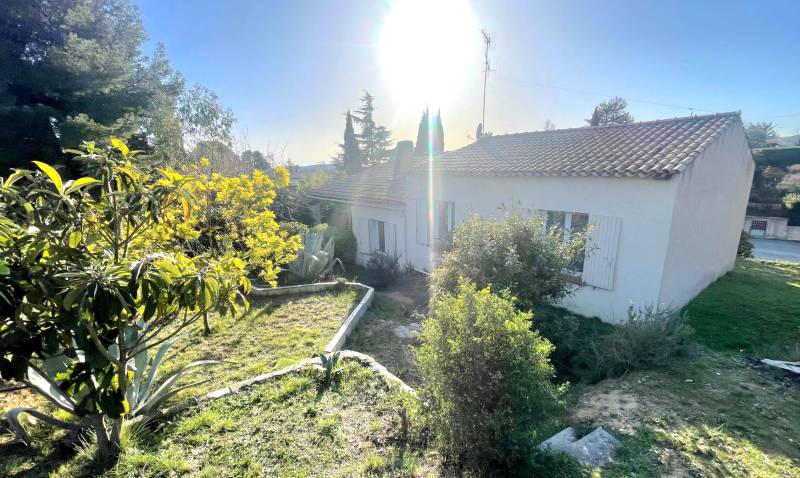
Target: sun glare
428 50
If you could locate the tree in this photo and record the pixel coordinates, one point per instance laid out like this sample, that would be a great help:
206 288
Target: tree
73 69
513 252
430 133
350 158
253 159
84 290
549 125
203 118
759 133
610 112
487 388
374 140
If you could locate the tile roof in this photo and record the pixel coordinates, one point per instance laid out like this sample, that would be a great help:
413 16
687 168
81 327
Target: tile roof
376 184
651 149
655 149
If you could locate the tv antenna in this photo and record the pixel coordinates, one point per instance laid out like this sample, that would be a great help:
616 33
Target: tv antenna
487 41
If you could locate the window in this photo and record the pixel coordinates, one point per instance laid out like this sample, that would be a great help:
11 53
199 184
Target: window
570 224
445 219
377 236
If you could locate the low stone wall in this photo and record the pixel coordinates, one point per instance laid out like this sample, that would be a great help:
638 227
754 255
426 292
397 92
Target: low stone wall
339 339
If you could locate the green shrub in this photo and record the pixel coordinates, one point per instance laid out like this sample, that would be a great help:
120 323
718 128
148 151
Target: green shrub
571 335
651 337
382 270
514 252
487 389
745 248
345 241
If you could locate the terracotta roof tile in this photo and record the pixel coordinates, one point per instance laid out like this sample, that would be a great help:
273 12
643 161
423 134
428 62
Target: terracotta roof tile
652 149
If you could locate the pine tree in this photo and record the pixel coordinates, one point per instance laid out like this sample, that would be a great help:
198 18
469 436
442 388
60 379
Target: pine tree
72 70
349 159
374 140
610 112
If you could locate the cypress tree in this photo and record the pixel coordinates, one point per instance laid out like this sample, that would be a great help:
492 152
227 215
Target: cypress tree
438 134
422 134
351 160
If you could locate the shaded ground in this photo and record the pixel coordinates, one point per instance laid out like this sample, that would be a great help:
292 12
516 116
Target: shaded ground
775 250
754 309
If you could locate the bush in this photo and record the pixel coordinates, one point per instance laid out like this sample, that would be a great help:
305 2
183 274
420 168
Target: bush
571 335
487 389
345 241
514 253
382 270
745 248
651 337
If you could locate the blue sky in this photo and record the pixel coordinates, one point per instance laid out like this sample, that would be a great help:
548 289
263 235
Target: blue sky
289 70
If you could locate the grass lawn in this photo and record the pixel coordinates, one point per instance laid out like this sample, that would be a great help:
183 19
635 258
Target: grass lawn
274 333
755 309
288 427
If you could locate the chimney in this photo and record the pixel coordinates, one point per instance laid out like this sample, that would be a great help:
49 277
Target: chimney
403 157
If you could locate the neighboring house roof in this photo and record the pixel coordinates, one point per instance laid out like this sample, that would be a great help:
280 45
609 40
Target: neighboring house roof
651 149
376 184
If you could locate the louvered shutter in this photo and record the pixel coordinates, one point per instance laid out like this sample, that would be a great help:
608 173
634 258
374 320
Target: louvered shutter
601 251
362 235
390 235
423 230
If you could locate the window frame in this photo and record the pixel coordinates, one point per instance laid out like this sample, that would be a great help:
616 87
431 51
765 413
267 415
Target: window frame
574 270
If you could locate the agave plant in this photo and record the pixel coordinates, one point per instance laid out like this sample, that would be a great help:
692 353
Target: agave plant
313 261
329 364
142 396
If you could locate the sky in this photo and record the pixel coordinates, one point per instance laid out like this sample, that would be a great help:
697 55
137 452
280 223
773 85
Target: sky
289 70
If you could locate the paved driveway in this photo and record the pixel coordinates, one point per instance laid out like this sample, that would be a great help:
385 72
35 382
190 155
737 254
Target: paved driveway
774 250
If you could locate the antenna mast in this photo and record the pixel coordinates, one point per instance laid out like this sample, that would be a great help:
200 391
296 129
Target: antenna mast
487 40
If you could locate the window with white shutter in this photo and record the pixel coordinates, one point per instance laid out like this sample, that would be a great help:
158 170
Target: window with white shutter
602 244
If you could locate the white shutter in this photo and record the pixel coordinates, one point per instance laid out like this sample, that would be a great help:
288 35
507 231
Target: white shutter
373 236
423 230
601 251
390 238
362 235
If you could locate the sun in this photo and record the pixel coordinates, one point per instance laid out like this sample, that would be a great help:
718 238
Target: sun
428 50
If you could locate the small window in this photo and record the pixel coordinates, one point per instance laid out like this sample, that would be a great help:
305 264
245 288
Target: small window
569 224
377 236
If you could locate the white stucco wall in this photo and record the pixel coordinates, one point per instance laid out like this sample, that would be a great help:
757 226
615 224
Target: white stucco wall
360 215
644 207
707 218
676 236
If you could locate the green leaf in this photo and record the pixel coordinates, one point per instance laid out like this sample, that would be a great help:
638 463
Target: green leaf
81 183
52 174
4 270
121 147
75 239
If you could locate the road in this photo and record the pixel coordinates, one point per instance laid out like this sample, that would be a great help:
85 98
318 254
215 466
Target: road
774 250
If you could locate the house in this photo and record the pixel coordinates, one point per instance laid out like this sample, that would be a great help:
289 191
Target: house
665 200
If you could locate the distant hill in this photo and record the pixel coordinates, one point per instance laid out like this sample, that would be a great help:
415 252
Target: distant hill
313 168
